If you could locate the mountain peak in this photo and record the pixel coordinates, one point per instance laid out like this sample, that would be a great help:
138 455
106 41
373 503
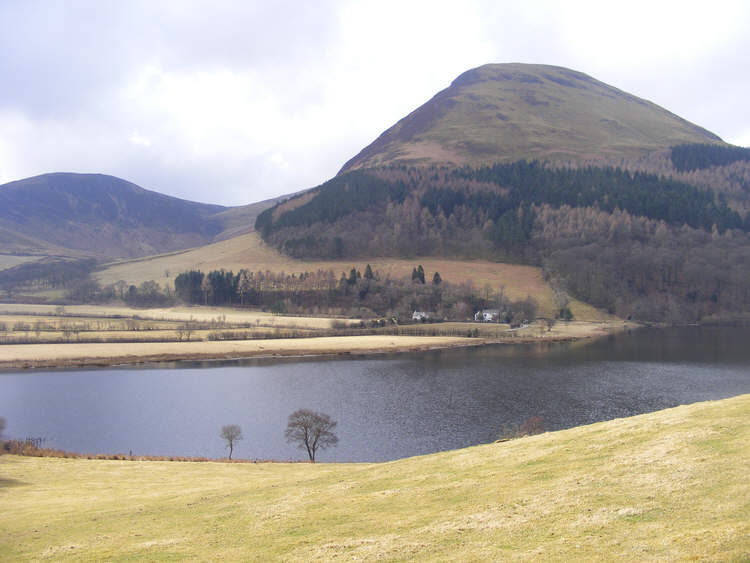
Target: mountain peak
511 111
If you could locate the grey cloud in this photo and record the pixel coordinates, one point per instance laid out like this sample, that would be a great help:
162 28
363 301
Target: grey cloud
67 67
62 56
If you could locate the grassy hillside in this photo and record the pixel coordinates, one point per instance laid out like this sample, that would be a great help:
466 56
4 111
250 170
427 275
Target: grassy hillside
241 219
14 243
248 251
669 485
505 112
11 260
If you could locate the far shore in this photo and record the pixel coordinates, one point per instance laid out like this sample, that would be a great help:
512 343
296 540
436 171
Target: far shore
28 356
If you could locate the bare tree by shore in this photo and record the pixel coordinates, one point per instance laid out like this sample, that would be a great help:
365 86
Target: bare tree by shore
231 433
311 431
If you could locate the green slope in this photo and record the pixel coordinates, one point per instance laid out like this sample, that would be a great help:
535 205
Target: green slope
506 112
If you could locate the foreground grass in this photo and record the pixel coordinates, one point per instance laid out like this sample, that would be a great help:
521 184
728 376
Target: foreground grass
662 486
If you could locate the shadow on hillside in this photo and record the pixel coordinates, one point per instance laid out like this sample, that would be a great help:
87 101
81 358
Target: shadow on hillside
8 483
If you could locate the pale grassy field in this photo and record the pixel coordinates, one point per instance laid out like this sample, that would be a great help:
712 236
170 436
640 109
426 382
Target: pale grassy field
126 352
48 336
248 251
575 330
92 322
665 486
207 314
56 348
113 336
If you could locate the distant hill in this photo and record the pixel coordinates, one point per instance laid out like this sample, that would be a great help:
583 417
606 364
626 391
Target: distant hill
107 217
506 112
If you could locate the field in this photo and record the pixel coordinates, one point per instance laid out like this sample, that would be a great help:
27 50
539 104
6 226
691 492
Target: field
33 336
248 251
223 315
669 485
41 355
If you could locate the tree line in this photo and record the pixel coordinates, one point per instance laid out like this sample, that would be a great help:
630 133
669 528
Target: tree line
352 293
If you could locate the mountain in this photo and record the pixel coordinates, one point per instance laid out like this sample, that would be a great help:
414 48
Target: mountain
506 112
624 205
107 217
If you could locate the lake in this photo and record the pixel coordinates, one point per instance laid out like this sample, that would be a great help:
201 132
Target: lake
387 407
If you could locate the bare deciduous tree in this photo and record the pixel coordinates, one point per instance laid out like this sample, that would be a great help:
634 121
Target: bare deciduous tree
231 433
2 426
311 431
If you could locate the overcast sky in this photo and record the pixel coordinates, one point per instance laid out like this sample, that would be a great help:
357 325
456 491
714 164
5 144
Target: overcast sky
235 102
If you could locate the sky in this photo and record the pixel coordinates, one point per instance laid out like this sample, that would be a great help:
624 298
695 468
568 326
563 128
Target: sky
237 102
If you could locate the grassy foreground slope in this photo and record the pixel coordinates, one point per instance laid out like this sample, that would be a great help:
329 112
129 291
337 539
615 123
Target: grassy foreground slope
249 251
670 485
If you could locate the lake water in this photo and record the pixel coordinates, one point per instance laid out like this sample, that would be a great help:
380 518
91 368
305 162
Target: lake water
387 407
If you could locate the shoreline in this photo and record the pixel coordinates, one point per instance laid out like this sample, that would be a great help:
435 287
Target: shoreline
41 356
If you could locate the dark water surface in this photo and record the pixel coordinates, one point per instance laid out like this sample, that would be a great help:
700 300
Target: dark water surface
387 407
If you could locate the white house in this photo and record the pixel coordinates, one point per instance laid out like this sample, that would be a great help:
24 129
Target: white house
420 316
487 315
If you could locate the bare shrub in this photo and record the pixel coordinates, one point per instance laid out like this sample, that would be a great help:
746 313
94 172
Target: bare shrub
532 425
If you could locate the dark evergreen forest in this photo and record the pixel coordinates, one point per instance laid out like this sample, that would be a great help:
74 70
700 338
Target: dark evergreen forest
687 158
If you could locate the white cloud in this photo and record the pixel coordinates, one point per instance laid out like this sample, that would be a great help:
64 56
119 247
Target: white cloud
137 139
742 139
279 160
